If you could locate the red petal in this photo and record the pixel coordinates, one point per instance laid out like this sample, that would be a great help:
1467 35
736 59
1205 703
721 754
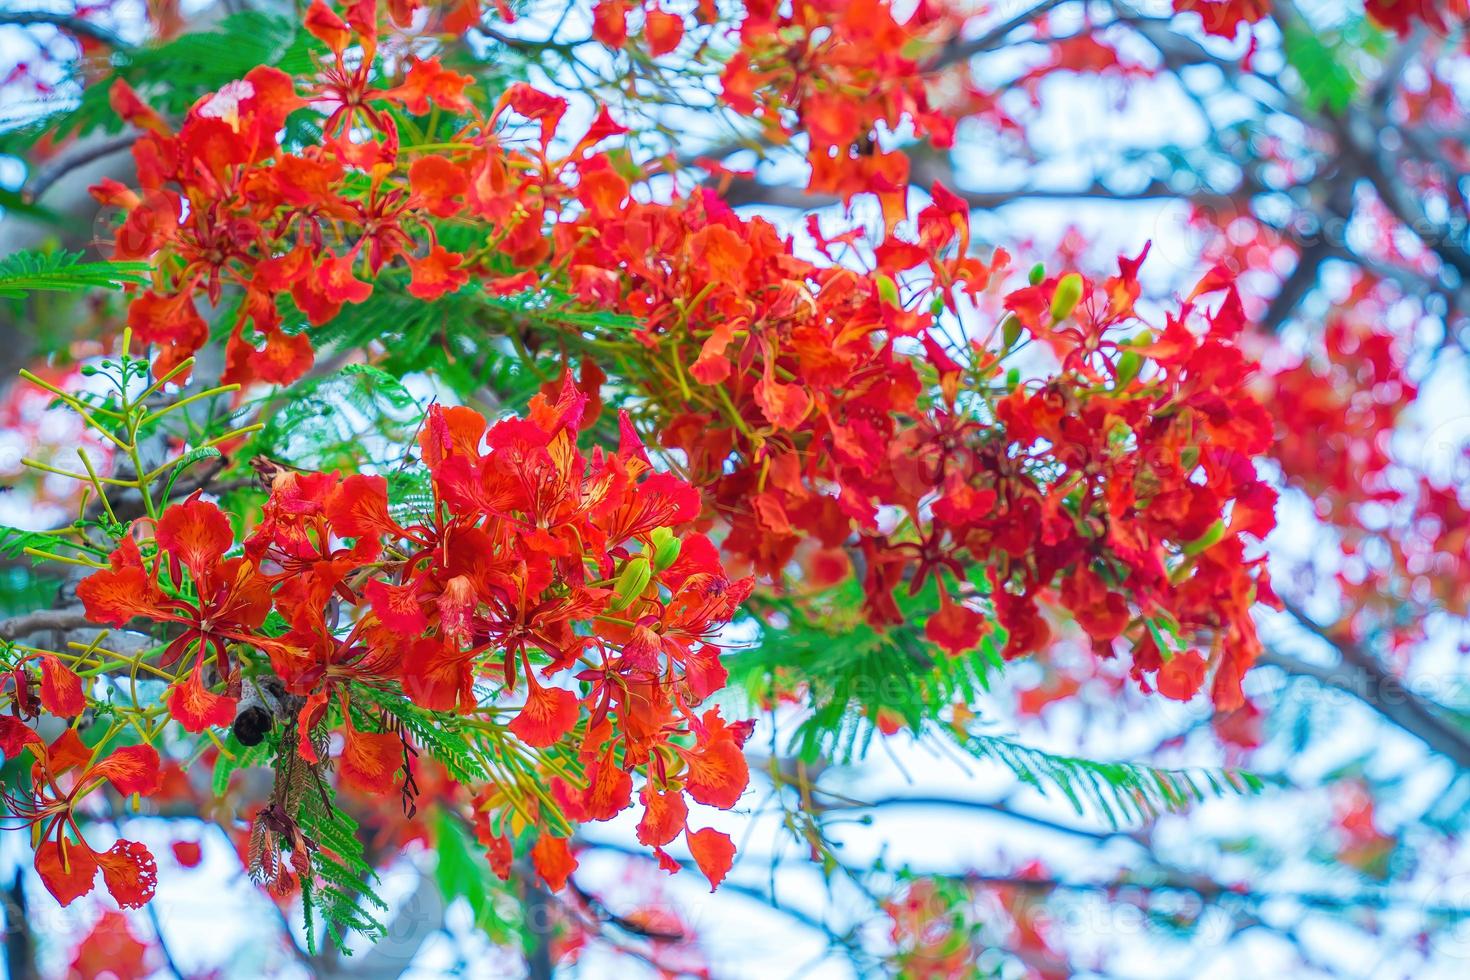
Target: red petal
61 689
610 23
955 628
67 752
397 607
714 852
196 708
500 854
358 508
15 735
664 816
197 533
550 713
1181 677
437 676
663 30
609 791
131 769
130 873
326 26
554 861
436 274
439 184
112 597
188 853
783 405
370 760
666 860
718 773
68 880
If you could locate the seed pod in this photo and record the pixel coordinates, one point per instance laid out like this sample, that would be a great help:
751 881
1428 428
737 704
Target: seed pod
252 723
631 582
1066 297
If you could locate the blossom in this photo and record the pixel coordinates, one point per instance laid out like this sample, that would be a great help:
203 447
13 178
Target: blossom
65 772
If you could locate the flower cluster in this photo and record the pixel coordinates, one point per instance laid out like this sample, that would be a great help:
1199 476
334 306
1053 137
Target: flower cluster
221 203
532 564
811 430
785 383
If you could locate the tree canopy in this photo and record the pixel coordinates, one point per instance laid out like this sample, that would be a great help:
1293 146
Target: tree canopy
563 451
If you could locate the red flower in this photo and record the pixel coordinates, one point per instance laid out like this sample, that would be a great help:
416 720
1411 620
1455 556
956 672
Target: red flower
230 601
664 31
717 771
428 82
67 864
436 274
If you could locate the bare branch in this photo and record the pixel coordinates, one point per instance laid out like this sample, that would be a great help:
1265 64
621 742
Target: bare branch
1360 675
67 23
44 621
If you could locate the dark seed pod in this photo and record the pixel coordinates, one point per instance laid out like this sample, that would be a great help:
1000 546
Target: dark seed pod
252 724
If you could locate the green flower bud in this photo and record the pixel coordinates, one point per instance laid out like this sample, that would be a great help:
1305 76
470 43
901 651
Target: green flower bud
631 582
1067 296
1207 540
888 290
1129 364
1010 330
1037 275
666 548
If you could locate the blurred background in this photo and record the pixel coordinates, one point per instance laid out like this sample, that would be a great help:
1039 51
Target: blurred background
1319 154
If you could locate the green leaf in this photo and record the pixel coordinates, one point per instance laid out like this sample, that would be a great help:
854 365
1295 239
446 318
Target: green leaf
463 872
1317 57
14 542
32 271
188 459
1123 792
239 757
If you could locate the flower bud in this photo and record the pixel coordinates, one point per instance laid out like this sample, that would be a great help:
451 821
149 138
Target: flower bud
631 582
1066 297
1207 540
888 290
1010 330
666 548
1129 364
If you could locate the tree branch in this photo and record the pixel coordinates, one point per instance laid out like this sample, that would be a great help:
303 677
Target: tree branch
43 621
959 49
1360 675
66 23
